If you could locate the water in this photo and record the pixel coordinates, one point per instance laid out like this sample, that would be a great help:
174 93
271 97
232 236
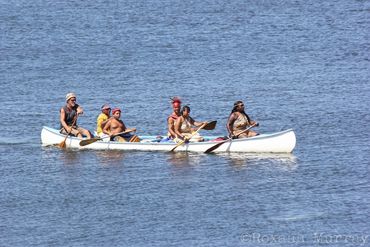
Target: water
296 64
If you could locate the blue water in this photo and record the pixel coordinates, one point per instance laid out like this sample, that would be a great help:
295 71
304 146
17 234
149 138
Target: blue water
296 64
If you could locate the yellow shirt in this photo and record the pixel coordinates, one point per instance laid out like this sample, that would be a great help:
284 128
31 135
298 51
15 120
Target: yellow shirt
101 118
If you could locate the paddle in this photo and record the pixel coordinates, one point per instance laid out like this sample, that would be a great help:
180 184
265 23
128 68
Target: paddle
92 140
63 143
228 139
185 139
210 126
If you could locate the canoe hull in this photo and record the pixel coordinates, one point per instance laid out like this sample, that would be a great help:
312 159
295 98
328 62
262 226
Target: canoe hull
280 142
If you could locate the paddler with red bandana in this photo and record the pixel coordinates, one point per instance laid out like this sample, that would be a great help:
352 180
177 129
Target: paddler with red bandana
176 106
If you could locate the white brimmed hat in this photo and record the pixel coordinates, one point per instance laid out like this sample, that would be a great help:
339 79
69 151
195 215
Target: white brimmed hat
69 96
105 107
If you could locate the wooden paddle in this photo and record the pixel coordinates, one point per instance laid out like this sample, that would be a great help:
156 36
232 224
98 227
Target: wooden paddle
210 126
63 143
92 140
228 139
186 139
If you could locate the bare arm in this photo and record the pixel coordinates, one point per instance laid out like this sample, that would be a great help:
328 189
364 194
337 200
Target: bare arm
171 127
106 129
79 110
230 123
130 130
196 123
178 124
252 122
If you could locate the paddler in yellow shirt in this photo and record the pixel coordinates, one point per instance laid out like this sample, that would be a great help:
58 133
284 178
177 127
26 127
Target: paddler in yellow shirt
102 119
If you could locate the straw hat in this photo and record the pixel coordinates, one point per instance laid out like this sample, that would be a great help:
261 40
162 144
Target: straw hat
69 96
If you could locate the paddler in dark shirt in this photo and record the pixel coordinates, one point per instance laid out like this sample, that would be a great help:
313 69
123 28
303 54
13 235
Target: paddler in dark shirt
68 118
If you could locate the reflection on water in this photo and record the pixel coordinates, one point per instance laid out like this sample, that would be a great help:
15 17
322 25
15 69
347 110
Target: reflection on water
110 157
183 159
66 156
76 156
70 157
284 161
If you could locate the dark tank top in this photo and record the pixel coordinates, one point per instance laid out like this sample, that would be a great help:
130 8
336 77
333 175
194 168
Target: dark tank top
69 115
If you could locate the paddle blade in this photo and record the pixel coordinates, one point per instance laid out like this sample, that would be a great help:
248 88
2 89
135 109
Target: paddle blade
134 138
173 149
214 147
210 126
89 141
62 144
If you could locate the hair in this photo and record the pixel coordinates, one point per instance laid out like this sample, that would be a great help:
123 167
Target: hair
236 105
242 112
186 107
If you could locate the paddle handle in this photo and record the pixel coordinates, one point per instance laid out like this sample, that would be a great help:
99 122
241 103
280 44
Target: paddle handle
227 140
92 140
201 127
185 139
63 143
121 133
243 131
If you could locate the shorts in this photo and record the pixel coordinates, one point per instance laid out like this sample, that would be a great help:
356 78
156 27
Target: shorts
75 131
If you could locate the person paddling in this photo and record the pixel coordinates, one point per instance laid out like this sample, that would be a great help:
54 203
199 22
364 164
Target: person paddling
183 126
115 125
102 119
68 118
239 121
171 119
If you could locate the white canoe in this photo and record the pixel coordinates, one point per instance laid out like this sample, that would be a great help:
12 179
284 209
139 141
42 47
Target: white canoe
279 142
